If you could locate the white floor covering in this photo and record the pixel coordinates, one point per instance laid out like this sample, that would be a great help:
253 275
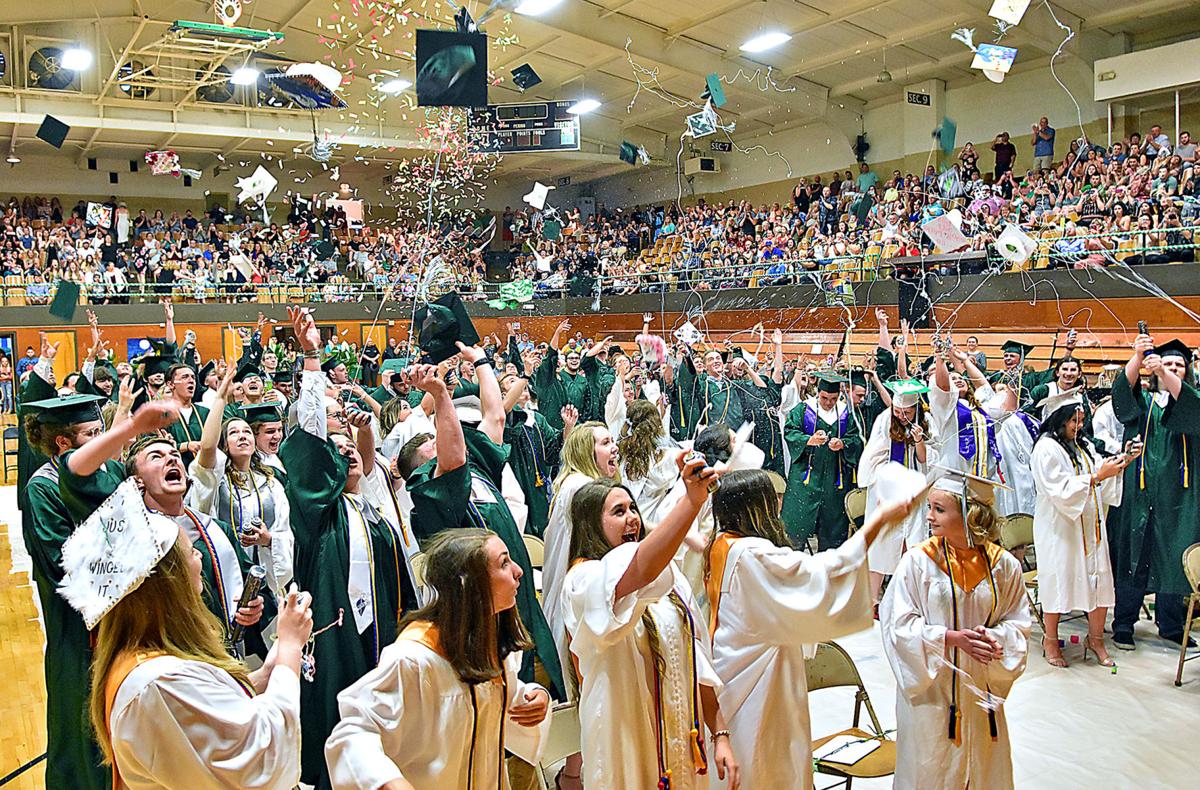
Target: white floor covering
1079 727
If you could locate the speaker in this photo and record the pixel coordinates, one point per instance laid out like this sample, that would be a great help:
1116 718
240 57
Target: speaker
914 305
187 181
133 165
113 178
91 163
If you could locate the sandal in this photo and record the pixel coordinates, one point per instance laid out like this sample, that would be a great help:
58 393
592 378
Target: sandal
1098 648
1054 657
562 773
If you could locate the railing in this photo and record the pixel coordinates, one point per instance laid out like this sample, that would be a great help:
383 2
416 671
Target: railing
835 273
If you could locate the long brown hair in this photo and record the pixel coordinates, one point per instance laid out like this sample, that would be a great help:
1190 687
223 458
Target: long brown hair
473 638
165 613
746 505
640 445
588 543
898 432
256 461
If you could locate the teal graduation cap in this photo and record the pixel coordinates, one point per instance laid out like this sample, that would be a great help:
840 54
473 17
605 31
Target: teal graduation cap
66 409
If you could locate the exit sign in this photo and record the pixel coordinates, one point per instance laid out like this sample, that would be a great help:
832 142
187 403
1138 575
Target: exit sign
918 98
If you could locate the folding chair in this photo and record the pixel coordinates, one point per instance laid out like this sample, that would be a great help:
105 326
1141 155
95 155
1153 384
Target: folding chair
1191 569
856 508
418 567
832 667
537 557
563 741
11 447
1016 535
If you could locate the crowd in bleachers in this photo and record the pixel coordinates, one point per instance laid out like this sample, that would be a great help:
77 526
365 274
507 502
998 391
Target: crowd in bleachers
1136 201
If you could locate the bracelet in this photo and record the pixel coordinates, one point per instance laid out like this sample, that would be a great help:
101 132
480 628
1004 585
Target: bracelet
312 354
485 362
719 734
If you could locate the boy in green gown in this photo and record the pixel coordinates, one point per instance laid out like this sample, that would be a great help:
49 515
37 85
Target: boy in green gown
556 388
825 447
710 394
347 556
1159 515
56 426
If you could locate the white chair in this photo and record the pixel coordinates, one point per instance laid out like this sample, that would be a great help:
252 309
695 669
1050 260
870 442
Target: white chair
563 741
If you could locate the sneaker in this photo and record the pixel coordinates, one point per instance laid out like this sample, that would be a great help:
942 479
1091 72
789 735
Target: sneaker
1123 641
1175 640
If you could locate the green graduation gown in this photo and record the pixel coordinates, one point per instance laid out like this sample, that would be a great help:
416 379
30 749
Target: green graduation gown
189 431
713 400
470 497
762 408
315 487
600 379
819 478
29 458
535 451
555 389
73 758
1159 515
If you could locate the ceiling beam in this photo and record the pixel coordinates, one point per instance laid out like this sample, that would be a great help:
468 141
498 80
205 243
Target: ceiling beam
847 11
525 53
610 11
675 31
87 147
1124 12
895 38
116 70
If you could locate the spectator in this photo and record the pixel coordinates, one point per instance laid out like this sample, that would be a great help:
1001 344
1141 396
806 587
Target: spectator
866 179
1006 154
1042 141
26 363
1186 150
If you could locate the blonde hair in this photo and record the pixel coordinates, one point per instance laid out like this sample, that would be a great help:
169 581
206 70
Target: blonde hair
579 453
983 522
164 614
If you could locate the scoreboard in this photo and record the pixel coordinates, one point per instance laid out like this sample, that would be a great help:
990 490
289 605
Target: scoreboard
517 128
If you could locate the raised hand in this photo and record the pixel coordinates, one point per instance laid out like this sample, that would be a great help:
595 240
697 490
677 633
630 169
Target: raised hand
155 415
49 350
471 354
425 378
881 316
126 395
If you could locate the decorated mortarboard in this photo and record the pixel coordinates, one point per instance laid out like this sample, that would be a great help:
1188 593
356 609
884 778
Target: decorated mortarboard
261 412
112 552
332 363
628 152
551 230
66 300
1016 347
713 90
393 365
977 489
246 371
442 322
906 393
1071 397
524 77
1174 348
828 381
66 409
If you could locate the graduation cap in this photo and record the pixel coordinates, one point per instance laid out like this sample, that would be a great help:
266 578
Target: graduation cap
906 393
968 486
393 365
202 374
524 77
830 382
713 91
1175 348
155 363
628 152
256 413
442 322
777 482
67 409
858 378
246 371
53 131
66 299
945 134
1071 397
1016 347
332 363
551 230
282 376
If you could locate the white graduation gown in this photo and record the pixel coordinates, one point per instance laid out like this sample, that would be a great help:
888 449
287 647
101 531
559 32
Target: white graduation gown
187 724
617 706
1074 569
914 617
1107 428
775 601
943 411
204 493
555 561
884 553
1015 442
412 718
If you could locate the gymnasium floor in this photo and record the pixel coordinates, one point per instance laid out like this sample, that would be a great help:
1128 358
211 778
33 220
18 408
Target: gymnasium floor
1080 727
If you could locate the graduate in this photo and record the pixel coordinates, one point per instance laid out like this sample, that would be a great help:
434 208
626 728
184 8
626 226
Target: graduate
169 706
347 555
710 392
589 453
266 421
965 429
868 399
761 398
536 445
647 460
1068 374
1159 514
768 602
231 483
955 622
1075 489
825 446
87 477
447 494
452 673
56 426
1017 375
647 686
899 437
181 388
556 388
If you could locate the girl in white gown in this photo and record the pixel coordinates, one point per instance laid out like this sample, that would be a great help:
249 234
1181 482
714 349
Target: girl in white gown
955 623
648 455
899 436
445 702
1075 489
769 602
647 687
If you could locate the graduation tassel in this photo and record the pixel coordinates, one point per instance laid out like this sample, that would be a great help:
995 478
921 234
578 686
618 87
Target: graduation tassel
992 727
664 781
699 758
953 733
1185 476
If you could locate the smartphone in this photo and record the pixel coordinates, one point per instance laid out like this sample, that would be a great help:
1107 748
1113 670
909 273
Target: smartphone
1143 329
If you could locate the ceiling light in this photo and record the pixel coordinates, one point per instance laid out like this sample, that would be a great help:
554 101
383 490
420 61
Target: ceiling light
246 75
13 159
884 76
76 59
536 7
394 86
765 41
583 106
